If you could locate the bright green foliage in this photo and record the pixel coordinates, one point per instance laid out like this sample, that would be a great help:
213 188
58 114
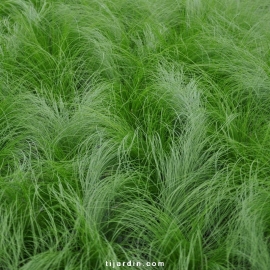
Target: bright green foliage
134 131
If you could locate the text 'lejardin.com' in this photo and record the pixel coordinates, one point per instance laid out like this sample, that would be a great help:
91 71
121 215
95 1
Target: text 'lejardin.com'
130 263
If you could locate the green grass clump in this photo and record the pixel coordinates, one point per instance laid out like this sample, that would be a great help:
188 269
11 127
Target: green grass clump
134 131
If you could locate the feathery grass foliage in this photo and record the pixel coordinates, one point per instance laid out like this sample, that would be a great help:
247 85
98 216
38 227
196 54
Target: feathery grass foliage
134 131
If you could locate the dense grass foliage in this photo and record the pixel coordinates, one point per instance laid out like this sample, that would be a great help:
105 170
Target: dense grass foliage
134 130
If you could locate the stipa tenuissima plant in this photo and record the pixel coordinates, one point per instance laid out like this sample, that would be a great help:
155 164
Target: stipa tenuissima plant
134 131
